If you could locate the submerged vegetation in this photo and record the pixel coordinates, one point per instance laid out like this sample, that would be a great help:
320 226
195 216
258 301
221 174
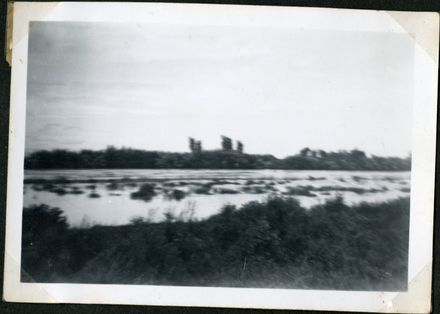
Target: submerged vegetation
146 189
112 158
275 243
146 192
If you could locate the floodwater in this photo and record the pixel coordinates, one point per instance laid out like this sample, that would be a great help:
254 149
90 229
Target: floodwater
105 197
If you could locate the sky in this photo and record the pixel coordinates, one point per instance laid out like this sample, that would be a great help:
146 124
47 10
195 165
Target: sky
278 90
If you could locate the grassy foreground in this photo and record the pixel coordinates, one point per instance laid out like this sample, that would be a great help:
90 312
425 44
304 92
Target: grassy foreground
274 244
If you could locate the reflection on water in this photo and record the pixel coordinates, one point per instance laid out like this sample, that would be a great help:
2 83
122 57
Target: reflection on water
109 196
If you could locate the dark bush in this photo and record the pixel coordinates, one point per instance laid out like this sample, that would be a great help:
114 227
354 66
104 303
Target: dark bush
112 186
76 191
176 194
45 232
94 195
203 190
146 192
226 191
299 190
272 244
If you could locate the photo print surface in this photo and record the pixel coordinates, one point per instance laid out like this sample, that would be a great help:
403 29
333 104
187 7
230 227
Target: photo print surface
217 156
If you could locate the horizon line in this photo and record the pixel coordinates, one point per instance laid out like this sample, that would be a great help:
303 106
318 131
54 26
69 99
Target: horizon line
219 149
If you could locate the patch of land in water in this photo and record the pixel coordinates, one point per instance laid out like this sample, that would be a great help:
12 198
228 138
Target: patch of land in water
179 189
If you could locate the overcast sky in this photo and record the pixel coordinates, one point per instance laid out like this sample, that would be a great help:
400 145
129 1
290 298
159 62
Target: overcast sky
91 85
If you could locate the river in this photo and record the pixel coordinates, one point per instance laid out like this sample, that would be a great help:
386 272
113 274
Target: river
107 197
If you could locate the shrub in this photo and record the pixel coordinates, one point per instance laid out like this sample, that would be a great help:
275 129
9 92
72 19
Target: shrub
176 194
146 192
44 237
94 195
299 190
59 191
272 244
203 190
226 191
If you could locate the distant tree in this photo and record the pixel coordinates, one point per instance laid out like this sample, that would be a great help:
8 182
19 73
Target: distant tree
305 152
226 143
192 144
356 153
126 158
322 153
198 147
240 147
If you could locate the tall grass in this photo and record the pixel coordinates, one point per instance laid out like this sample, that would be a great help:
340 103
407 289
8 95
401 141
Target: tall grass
272 244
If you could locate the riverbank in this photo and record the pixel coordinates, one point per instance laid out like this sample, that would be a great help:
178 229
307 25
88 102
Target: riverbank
271 244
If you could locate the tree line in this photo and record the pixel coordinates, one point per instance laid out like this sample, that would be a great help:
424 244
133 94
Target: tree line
127 158
227 145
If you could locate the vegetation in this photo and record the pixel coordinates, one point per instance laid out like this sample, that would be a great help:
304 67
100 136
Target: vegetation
206 190
227 158
94 195
275 243
146 192
176 194
299 190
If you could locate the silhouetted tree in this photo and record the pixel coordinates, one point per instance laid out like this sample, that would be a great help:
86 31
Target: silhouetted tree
226 143
192 144
198 147
322 154
305 152
356 153
240 147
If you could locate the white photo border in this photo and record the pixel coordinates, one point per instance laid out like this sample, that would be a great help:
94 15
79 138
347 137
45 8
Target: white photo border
418 297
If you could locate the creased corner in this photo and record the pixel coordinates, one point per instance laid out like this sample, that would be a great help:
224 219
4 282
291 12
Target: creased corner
23 13
423 27
15 291
8 41
418 297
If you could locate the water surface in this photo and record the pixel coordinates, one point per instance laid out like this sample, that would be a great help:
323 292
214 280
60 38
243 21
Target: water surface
104 197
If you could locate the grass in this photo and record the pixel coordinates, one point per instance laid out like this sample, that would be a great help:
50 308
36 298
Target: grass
272 244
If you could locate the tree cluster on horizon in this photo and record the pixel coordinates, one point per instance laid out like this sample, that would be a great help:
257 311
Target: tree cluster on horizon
127 158
195 146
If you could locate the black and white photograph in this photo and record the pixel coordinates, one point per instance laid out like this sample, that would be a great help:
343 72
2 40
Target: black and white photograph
225 156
